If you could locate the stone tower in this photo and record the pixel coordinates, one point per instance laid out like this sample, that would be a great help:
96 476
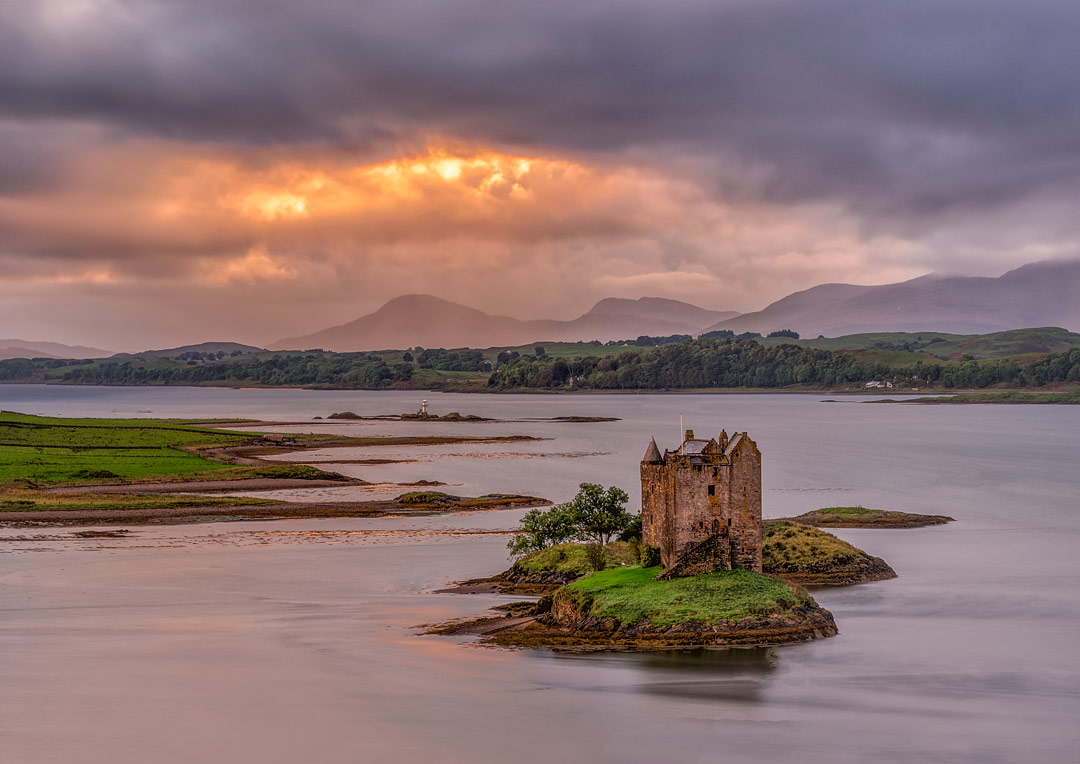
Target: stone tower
706 490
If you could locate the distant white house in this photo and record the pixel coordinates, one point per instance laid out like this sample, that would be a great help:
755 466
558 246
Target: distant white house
878 383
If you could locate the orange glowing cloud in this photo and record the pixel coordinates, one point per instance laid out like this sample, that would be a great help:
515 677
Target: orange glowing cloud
517 233
438 185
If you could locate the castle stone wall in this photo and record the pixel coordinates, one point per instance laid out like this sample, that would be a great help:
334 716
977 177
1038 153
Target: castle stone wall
678 511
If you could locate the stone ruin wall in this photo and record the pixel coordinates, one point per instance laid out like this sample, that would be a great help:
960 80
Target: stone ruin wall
657 516
744 502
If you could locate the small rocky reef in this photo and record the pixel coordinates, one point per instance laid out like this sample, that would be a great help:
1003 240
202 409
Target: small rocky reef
453 416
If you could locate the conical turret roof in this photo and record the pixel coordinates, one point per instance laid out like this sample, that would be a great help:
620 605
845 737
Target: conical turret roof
652 455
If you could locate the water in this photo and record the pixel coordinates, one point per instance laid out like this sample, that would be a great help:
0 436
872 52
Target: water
295 640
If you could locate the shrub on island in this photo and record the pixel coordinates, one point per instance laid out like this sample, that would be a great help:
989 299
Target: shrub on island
595 515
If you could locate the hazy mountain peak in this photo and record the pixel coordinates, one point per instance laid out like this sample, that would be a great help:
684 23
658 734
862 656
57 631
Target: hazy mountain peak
660 308
1038 294
428 321
16 348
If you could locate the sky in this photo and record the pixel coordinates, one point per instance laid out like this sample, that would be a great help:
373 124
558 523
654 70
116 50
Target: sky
247 170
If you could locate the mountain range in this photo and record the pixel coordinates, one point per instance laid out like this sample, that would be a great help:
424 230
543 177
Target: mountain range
1035 295
1038 294
15 348
420 319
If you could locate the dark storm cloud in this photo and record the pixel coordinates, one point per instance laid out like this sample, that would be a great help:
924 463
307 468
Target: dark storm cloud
899 109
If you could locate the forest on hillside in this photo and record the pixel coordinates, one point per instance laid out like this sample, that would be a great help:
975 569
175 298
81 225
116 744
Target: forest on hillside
734 363
690 364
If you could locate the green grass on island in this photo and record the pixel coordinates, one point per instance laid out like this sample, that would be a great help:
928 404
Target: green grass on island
632 594
865 517
790 547
851 512
571 558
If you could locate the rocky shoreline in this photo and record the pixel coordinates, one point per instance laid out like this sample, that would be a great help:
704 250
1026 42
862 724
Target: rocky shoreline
558 623
862 570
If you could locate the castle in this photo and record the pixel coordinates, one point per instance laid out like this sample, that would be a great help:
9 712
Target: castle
701 504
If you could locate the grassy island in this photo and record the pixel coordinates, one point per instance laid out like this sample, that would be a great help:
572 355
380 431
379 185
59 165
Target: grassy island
862 517
807 555
790 550
627 608
632 595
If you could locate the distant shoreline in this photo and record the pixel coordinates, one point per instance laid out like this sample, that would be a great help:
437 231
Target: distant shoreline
1047 395
521 390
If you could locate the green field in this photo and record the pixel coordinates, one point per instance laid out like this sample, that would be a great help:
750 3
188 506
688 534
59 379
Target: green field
632 594
54 465
49 450
13 417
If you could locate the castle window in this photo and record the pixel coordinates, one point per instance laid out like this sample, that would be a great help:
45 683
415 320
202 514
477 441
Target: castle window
712 490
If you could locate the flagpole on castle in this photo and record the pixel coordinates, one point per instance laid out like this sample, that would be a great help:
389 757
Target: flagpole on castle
682 431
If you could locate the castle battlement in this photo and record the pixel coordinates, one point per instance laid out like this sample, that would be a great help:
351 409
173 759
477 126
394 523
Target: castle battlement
705 488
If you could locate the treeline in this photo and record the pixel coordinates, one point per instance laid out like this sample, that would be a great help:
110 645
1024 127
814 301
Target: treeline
706 363
648 341
692 364
356 370
453 360
701 363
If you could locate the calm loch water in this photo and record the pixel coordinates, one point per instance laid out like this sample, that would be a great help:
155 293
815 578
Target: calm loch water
296 641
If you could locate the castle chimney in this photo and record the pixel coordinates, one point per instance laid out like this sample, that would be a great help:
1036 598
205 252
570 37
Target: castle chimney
723 439
689 435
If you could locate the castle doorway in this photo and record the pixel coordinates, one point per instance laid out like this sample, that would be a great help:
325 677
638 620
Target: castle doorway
715 526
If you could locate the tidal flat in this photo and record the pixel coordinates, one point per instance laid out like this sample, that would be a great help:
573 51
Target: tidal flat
301 639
